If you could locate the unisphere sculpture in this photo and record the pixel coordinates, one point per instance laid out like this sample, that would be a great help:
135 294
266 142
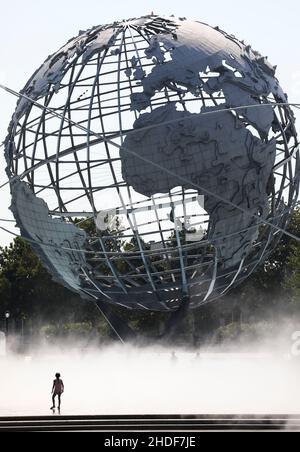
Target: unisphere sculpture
153 163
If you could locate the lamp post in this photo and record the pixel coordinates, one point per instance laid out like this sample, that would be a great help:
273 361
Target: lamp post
7 316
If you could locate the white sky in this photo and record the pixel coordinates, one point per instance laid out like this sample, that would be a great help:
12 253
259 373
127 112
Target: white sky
31 30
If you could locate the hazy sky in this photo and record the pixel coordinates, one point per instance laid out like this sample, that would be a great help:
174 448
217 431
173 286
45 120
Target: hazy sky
31 30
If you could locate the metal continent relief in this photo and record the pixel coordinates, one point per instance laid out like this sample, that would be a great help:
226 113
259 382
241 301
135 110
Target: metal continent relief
216 153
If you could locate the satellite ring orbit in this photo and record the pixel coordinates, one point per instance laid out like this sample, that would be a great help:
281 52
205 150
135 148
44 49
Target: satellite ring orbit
145 161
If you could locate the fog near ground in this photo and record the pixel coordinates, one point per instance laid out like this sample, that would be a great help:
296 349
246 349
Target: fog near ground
132 380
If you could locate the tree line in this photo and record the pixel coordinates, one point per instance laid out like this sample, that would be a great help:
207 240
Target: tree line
34 299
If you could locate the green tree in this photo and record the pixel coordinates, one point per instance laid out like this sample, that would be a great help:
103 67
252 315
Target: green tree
28 292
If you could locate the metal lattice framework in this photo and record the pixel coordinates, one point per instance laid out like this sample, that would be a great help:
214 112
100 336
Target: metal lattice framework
158 185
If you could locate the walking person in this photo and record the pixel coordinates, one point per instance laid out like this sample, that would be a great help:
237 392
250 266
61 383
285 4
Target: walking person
57 390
